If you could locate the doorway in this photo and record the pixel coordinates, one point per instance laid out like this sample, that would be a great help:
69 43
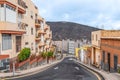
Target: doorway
94 54
18 43
108 61
115 62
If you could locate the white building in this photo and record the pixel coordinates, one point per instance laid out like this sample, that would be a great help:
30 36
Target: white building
71 47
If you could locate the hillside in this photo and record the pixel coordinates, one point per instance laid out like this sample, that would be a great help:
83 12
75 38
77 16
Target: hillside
70 30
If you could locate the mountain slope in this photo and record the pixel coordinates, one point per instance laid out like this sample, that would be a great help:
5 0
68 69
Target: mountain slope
70 30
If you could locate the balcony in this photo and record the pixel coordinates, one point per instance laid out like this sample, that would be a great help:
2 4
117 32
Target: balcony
40 19
37 38
46 28
47 36
9 2
41 44
22 6
22 25
47 47
37 23
41 32
12 28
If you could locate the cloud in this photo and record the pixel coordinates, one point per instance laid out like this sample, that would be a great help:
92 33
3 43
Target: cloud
89 12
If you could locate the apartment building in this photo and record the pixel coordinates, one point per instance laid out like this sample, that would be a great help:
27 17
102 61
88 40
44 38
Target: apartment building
96 52
71 47
58 45
110 50
21 26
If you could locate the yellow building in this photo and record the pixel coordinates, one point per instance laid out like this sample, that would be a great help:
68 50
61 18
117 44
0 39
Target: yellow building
21 26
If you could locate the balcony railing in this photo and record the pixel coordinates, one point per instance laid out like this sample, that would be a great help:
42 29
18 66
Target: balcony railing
37 21
41 32
22 25
37 38
41 44
22 3
46 27
47 36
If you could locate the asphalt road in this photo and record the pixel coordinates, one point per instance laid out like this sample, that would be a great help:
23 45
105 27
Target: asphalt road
68 69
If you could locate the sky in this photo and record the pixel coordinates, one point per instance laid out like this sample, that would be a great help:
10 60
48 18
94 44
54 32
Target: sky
103 14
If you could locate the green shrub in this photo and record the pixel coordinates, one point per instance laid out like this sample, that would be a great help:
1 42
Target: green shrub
44 54
119 70
50 54
24 54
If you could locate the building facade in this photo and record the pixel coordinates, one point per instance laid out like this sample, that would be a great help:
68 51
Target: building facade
110 50
71 47
20 27
96 52
106 49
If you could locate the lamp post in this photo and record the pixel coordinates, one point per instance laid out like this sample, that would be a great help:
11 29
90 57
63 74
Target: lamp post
14 67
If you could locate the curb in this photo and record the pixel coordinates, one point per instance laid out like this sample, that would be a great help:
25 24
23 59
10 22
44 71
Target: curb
34 72
29 73
94 72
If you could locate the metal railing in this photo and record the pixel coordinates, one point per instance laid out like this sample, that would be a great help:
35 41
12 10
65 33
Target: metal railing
22 3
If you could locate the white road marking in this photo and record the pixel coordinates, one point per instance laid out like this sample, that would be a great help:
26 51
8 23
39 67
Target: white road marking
77 68
70 59
56 67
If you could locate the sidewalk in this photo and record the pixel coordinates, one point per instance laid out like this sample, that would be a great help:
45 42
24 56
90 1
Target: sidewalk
106 75
29 71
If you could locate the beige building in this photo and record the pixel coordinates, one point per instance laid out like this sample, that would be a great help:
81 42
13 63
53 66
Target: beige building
95 57
21 26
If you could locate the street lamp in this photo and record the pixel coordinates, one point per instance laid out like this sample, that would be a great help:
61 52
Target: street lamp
14 61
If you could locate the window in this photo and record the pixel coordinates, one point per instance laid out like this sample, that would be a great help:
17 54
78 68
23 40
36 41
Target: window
36 16
6 41
20 16
96 37
31 31
31 14
26 13
31 46
1 63
103 56
27 30
92 37
18 43
9 7
26 43
2 5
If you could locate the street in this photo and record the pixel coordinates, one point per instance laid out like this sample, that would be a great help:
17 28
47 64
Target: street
68 69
